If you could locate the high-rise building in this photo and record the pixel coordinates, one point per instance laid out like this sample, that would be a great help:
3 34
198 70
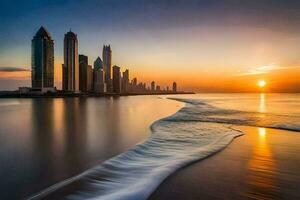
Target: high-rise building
99 81
152 86
71 65
83 65
98 64
116 79
174 87
158 88
90 78
125 81
106 56
42 60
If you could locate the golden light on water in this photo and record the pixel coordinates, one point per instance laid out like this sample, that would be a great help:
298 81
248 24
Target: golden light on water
262 133
262 175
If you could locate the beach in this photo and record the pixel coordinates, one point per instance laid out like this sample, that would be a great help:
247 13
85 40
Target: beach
262 164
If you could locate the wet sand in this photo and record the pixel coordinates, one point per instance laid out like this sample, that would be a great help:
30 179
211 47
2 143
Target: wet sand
262 164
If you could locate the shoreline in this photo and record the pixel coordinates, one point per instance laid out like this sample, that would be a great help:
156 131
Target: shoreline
84 95
59 189
258 165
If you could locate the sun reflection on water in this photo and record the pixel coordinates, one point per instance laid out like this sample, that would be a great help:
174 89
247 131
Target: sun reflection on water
262 103
262 178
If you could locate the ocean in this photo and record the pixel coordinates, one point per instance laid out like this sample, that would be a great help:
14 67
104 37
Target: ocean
204 125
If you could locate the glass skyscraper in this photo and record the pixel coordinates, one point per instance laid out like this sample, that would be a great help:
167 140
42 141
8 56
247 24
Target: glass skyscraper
42 60
71 63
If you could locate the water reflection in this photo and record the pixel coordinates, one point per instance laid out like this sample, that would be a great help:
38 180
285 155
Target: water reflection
262 103
262 178
55 139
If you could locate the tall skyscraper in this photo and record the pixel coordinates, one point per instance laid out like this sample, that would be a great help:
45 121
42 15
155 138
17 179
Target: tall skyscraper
116 79
174 87
83 70
42 59
98 64
71 65
106 56
99 81
152 86
125 81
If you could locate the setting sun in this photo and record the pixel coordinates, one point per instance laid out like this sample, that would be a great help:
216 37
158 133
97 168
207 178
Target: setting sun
261 83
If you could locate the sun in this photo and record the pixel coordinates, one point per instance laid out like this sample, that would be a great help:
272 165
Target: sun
261 83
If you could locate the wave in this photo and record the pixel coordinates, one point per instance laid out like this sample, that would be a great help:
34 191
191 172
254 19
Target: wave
201 111
175 142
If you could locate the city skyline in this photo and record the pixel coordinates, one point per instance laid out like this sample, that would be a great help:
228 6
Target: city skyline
205 45
77 75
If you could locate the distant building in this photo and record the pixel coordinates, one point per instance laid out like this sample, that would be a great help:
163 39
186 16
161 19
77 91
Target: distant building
90 79
125 81
174 87
106 56
99 81
152 86
98 64
42 60
71 65
134 81
158 88
116 79
168 89
83 65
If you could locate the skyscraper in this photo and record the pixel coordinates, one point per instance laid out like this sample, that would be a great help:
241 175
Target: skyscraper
116 79
90 79
71 65
99 81
152 86
174 87
98 64
106 56
83 69
125 81
42 59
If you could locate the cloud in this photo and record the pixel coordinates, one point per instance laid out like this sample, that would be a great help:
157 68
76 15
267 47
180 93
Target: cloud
263 69
14 73
13 69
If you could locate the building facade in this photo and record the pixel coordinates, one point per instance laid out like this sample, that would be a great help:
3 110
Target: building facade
90 79
99 81
83 65
42 60
116 79
71 63
125 81
152 86
174 89
98 64
107 57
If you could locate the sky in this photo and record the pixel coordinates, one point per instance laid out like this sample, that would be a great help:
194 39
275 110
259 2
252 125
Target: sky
203 45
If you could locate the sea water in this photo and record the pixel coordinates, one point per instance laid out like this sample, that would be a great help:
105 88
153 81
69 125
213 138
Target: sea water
203 127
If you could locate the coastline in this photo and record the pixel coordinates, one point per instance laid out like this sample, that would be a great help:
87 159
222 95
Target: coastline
86 95
262 164
59 190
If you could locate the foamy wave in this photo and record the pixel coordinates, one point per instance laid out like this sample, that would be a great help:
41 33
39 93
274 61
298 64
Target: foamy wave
201 111
176 142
